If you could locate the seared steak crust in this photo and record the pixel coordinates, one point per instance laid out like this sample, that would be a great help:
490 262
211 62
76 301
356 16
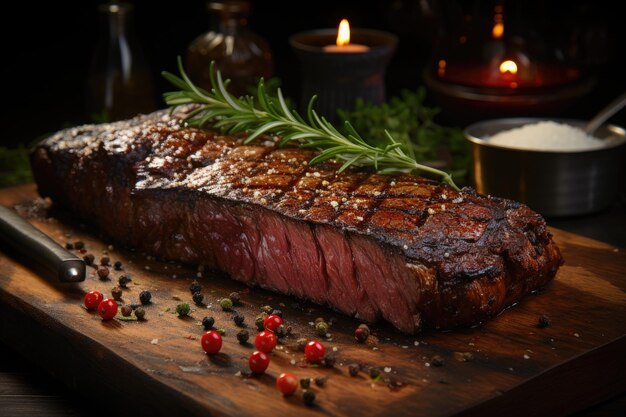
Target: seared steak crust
402 248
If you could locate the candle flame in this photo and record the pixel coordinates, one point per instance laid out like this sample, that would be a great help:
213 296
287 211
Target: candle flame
343 34
508 66
498 30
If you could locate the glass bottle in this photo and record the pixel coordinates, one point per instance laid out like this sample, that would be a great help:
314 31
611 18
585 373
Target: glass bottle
119 83
239 53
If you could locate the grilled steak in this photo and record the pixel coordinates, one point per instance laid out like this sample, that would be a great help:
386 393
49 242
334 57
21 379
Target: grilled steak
401 248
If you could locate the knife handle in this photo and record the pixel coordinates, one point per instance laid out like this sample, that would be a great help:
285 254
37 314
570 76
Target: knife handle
37 246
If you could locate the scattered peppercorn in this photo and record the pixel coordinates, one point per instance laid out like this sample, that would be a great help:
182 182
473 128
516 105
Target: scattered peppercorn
266 309
374 373
305 382
183 309
78 245
116 292
321 380
140 313
126 311
239 319
319 319
195 287
103 272
277 312
197 297
69 246
145 297
437 361
362 333
123 280
260 321
226 303
321 328
208 322
89 258
544 321
308 397
329 360
221 331
243 336
104 261
354 369
282 330
302 342
235 297
117 265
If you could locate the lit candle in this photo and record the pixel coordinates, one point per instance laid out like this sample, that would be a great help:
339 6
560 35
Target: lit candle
343 41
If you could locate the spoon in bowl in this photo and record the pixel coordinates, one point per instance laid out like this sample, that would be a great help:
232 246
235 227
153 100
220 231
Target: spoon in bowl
613 107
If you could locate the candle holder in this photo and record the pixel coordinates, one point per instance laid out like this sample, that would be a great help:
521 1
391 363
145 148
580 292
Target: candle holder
339 78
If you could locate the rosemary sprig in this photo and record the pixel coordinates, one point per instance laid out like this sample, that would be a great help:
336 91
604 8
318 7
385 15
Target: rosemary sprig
270 115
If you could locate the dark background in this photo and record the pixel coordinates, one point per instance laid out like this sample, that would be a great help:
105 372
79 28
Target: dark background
49 47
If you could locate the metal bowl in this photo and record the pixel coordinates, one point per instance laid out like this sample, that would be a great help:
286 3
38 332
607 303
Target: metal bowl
553 183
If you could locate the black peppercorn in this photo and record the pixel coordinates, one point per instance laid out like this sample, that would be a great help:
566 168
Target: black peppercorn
239 319
305 382
208 322
103 272
140 313
277 312
117 265
308 397
145 297
243 336
362 333
126 311
78 245
329 360
281 331
116 292
354 369
195 287
104 261
197 297
69 246
544 321
235 297
321 380
374 373
437 360
123 280
302 343
89 258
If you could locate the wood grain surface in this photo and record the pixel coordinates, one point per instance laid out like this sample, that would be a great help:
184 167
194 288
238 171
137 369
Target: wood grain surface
158 366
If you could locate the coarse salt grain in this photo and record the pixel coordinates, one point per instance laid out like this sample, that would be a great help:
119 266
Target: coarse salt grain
546 136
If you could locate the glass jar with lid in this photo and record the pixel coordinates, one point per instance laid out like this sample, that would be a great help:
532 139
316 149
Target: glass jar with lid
240 54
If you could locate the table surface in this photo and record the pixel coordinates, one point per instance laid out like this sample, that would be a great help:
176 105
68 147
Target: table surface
26 390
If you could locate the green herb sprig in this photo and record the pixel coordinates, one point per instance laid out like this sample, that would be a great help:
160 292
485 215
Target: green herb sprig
271 115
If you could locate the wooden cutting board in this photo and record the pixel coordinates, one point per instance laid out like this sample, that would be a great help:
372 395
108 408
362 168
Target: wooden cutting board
509 366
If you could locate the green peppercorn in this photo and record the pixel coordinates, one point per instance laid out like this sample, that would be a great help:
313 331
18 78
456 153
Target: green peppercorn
183 309
140 313
308 397
319 320
243 336
226 304
260 321
305 382
221 332
116 292
374 373
126 311
321 328
266 309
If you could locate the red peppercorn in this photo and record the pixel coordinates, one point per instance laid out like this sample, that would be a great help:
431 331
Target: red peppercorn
92 299
107 309
287 383
259 361
272 322
265 341
211 342
314 351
